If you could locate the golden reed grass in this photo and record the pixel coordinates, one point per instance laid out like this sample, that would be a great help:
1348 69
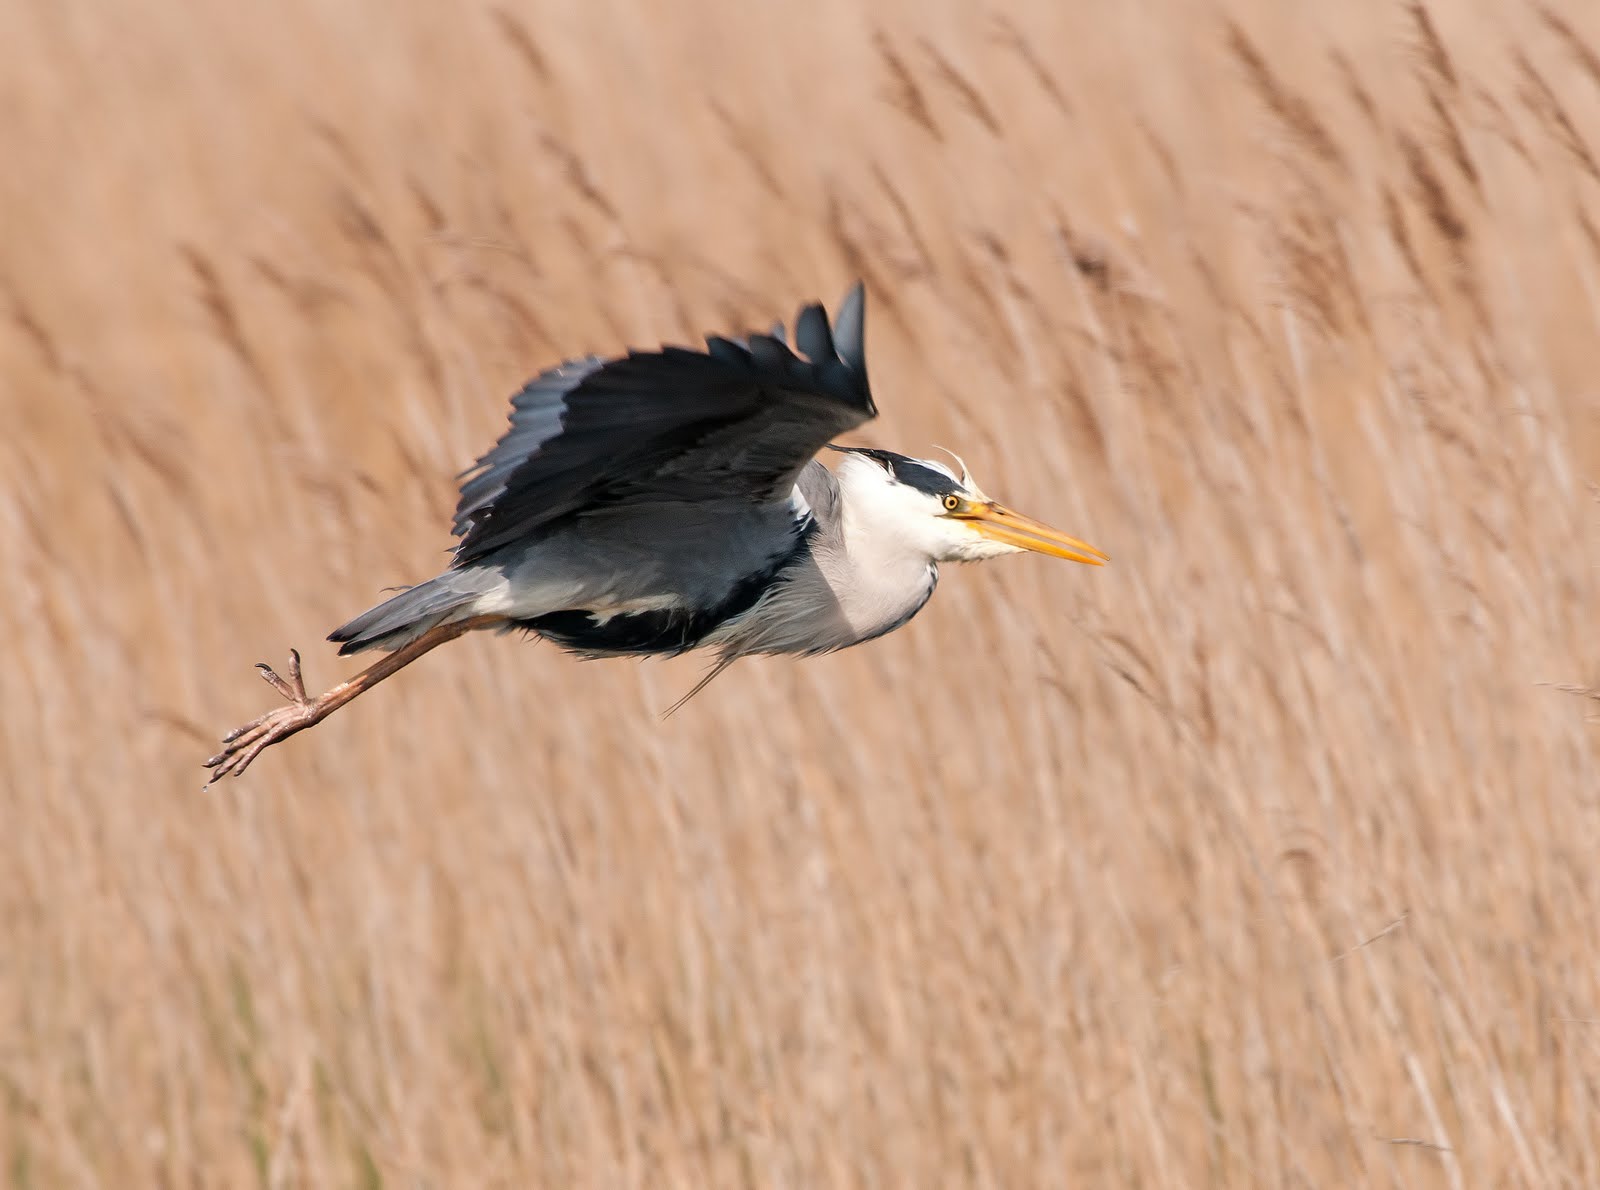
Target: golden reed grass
1264 856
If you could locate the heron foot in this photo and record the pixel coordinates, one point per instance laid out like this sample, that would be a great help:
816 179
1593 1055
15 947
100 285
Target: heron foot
244 744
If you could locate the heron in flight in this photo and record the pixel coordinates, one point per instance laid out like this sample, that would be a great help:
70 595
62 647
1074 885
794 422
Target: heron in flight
670 500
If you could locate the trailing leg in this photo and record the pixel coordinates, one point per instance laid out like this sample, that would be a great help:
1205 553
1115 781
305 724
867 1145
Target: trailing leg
243 744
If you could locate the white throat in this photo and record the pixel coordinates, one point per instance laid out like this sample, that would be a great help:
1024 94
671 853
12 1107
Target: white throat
889 561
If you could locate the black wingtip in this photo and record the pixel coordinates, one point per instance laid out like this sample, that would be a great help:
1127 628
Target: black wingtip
812 336
849 328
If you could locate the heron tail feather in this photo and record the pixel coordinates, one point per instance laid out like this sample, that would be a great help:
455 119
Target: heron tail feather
399 620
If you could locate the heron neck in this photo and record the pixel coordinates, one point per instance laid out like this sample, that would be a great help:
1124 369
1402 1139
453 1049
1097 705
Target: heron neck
879 579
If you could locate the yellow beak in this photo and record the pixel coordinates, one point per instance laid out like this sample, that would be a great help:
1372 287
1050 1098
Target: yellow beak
999 523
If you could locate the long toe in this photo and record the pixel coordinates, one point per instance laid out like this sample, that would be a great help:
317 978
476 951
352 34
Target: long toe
244 744
293 688
245 729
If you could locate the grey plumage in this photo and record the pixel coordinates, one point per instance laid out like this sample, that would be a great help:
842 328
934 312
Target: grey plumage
413 611
669 500
655 487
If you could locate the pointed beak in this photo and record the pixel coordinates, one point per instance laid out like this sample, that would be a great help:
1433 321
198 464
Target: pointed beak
999 523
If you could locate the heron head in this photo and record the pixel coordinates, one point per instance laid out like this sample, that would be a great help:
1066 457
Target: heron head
945 516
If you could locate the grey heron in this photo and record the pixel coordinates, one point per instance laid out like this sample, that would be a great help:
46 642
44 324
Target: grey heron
668 500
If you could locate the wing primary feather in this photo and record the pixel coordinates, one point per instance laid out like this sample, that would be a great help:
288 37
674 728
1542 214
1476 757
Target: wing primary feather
736 421
812 336
849 330
727 351
769 353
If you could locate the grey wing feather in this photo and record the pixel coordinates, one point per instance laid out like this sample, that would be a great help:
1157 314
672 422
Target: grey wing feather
738 420
820 488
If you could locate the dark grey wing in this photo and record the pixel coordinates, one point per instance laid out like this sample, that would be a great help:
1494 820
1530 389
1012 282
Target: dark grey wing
738 420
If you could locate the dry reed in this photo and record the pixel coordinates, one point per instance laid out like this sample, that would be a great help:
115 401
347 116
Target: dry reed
1265 856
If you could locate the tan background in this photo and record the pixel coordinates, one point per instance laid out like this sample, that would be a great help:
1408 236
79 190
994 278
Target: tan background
1267 855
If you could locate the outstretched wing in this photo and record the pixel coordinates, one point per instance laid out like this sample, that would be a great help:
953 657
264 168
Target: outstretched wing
738 420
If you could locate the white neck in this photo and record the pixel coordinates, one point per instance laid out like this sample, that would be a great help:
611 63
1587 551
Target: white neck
882 566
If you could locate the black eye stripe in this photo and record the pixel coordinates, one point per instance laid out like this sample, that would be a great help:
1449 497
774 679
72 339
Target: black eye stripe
912 472
925 479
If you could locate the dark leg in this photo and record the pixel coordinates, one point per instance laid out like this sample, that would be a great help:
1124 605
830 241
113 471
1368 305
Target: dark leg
244 744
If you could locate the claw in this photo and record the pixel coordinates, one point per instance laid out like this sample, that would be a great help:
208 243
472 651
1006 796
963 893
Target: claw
293 690
244 743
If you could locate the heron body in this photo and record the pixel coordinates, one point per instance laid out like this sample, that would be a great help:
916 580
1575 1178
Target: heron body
664 501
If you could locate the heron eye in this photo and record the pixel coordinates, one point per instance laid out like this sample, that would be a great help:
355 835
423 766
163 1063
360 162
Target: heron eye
951 503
